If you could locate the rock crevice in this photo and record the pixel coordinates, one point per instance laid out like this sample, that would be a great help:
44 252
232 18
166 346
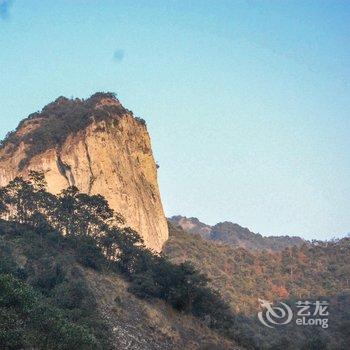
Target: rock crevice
92 176
65 170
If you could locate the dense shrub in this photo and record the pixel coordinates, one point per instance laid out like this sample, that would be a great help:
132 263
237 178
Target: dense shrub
89 254
26 321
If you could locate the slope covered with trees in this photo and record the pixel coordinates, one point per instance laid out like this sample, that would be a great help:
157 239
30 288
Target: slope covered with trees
89 233
45 302
316 271
46 242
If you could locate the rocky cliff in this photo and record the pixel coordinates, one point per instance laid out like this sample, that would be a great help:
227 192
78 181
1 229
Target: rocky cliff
98 146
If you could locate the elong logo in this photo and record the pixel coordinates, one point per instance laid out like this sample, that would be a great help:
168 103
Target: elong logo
271 315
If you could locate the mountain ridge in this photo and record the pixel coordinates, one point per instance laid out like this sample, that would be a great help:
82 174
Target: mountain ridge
233 234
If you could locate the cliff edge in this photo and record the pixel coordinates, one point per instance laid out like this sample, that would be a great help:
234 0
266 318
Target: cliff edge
98 146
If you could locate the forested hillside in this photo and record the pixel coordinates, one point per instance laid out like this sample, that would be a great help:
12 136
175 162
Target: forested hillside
73 276
50 300
309 272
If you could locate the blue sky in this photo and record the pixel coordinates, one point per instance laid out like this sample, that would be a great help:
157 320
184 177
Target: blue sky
247 102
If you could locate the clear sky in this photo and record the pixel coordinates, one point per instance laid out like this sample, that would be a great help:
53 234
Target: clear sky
247 102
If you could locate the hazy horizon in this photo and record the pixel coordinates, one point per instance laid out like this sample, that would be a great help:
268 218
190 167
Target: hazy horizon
247 103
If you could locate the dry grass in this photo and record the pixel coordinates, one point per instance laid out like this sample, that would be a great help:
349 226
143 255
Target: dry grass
140 324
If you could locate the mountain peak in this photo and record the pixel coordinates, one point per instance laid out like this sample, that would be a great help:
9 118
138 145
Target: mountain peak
60 119
98 146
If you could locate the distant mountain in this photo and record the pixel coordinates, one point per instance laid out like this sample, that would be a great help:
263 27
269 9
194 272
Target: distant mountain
234 234
192 225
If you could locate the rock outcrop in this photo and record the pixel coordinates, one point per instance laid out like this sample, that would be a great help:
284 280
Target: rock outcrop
99 147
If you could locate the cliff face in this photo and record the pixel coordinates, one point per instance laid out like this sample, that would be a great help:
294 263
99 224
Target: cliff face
107 151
